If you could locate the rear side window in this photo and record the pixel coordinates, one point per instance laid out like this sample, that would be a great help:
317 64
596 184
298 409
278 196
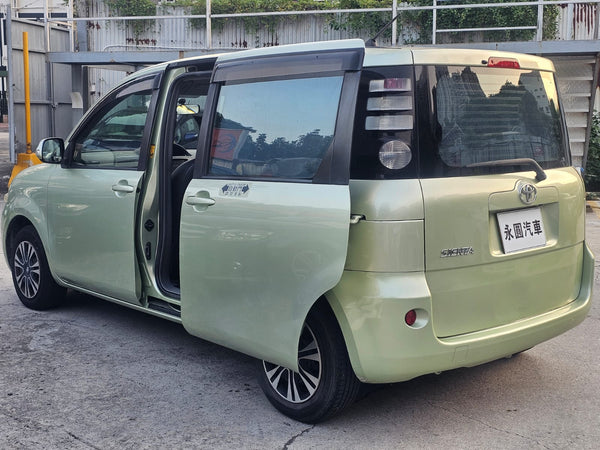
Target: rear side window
469 115
274 129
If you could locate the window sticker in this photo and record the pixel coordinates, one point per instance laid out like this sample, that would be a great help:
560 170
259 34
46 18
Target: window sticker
235 190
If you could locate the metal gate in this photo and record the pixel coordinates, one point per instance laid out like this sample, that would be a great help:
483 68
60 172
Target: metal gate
50 84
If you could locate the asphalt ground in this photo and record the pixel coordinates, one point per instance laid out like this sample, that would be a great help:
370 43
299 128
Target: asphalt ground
94 375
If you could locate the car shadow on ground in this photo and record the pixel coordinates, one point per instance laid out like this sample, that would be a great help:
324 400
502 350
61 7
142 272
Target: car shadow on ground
458 391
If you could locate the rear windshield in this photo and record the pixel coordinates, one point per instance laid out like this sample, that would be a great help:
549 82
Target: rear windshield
470 115
456 116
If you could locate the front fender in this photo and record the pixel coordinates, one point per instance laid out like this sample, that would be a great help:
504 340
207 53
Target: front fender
28 199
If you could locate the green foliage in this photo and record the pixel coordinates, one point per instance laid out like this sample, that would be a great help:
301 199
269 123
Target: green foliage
362 23
251 24
515 16
592 168
369 23
133 8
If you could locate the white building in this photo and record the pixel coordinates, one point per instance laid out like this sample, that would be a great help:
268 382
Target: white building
34 9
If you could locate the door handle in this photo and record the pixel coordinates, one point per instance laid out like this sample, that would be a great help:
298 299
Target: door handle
199 201
124 188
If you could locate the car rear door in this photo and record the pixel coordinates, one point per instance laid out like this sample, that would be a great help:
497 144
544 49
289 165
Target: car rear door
264 223
503 242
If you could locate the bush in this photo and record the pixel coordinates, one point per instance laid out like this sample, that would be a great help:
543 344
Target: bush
592 168
481 17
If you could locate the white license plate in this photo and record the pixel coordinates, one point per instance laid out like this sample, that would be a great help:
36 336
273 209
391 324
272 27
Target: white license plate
522 229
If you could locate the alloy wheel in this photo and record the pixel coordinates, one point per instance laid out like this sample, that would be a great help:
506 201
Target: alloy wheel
298 387
27 269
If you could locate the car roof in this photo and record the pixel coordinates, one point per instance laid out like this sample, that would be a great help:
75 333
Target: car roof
435 55
374 56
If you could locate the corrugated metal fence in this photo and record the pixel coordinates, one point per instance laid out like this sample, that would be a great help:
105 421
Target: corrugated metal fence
173 28
49 99
190 34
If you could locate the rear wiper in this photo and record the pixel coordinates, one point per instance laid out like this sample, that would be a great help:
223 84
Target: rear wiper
540 175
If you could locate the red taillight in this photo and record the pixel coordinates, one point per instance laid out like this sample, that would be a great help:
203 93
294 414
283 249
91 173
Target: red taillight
410 318
503 63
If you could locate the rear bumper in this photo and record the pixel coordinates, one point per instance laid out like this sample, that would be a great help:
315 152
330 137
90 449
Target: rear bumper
370 308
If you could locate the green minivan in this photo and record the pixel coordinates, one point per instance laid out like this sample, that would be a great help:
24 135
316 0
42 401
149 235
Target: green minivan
344 214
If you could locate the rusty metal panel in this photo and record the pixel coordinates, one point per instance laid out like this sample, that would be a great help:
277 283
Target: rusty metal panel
578 22
185 34
584 21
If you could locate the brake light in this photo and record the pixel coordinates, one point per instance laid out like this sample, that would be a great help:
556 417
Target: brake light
503 63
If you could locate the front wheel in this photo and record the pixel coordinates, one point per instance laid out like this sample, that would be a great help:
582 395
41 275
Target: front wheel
30 272
325 382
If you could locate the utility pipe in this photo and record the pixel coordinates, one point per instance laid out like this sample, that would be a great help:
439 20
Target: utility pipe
27 159
27 92
208 24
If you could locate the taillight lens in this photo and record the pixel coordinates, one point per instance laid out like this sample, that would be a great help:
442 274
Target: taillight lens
395 155
390 85
389 123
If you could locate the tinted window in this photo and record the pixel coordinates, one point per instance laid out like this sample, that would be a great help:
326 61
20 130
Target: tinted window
279 128
112 137
478 114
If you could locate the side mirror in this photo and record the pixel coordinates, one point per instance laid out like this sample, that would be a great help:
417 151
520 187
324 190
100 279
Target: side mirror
50 150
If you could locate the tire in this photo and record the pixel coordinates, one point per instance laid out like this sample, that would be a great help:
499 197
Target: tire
326 383
30 272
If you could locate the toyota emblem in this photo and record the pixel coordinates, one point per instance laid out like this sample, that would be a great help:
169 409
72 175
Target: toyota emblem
527 193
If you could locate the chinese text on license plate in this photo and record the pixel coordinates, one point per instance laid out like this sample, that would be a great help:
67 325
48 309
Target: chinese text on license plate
521 229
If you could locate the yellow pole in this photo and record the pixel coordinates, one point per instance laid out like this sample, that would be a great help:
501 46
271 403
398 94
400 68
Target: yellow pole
27 92
27 159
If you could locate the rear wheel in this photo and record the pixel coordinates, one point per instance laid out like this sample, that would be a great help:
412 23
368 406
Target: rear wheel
325 382
30 272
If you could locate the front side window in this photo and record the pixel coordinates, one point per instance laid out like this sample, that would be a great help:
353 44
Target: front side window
274 129
112 138
472 115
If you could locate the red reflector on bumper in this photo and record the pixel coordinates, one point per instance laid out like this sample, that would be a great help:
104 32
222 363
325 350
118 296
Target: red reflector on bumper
410 318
